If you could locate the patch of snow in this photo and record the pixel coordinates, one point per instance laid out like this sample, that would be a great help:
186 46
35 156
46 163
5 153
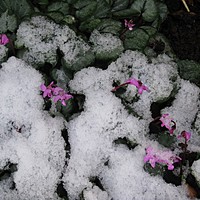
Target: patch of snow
105 45
185 106
42 37
105 119
29 136
196 170
95 194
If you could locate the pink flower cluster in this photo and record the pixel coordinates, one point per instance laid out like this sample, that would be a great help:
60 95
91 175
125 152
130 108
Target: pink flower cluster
168 122
166 157
129 24
57 93
132 81
162 157
3 39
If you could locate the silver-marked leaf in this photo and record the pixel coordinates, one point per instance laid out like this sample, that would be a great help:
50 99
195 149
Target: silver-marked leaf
147 8
8 22
136 40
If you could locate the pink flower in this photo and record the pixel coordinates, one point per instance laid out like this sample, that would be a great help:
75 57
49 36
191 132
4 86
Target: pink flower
3 39
150 157
162 157
139 85
132 81
47 90
168 122
61 95
129 24
186 135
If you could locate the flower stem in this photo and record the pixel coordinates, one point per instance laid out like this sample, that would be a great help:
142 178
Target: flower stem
116 88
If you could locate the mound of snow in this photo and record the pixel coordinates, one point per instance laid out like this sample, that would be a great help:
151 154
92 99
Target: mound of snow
29 136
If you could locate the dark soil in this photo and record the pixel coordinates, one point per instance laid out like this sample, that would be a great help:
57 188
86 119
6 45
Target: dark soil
182 28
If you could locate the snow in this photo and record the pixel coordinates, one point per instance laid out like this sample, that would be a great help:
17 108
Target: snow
185 106
105 45
42 37
31 138
95 194
105 119
38 148
196 170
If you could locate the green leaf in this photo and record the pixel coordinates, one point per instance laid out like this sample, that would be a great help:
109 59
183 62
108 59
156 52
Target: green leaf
20 8
89 25
8 22
147 8
126 13
72 1
43 2
69 19
162 10
157 170
83 59
118 5
150 11
85 9
189 70
166 139
109 26
102 9
61 7
138 6
56 16
149 30
136 40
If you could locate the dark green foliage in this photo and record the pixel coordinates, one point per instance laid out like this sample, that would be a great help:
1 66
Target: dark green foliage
189 70
109 26
20 8
146 8
166 139
136 40
8 22
158 170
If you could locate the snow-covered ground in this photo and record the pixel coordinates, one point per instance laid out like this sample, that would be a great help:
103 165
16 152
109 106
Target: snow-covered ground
31 138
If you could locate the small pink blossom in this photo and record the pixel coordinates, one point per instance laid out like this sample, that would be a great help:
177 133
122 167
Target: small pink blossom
132 81
3 39
61 95
162 157
186 135
56 93
168 122
129 24
139 85
47 90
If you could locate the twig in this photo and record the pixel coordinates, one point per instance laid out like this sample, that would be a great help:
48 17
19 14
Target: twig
184 3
